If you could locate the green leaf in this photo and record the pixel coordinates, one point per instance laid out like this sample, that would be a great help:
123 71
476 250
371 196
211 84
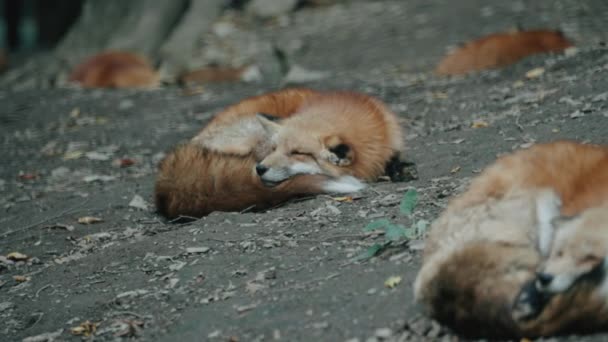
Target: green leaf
377 224
395 232
410 233
409 201
421 226
370 252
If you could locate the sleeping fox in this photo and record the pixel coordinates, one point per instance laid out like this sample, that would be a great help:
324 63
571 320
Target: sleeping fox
229 165
115 69
501 49
484 255
570 289
338 134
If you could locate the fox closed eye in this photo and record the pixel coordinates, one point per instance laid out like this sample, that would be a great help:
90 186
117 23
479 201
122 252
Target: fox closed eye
590 258
301 153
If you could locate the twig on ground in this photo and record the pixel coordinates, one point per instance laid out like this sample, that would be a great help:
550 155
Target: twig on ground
42 289
247 209
40 314
121 313
519 126
30 226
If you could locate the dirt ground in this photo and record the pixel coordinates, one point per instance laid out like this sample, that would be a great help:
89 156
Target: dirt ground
289 273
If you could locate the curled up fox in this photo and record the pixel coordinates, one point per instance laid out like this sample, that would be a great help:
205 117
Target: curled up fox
267 149
522 252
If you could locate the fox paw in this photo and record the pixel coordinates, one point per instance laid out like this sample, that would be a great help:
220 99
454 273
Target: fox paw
344 184
399 170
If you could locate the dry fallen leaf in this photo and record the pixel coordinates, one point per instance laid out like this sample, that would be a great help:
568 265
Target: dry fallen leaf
86 328
193 90
392 281
75 113
518 84
197 250
89 220
440 95
73 155
100 120
21 279
479 124
536 72
16 256
347 199
245 308
28 176
125 162
98 156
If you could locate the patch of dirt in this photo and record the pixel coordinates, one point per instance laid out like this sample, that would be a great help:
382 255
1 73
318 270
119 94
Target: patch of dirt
286 274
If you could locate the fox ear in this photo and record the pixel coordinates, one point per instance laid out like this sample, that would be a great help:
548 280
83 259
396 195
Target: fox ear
338 152
269 125
241 137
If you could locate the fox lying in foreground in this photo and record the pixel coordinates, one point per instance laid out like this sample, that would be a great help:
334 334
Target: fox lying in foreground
324 143
484 272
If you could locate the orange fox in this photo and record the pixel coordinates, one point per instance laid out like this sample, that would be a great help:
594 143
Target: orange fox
219 168
338 134
576 246
501 49
115 69
194 181
570 290
479 273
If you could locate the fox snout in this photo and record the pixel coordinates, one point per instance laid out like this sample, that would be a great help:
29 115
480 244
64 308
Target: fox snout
543 279
260 169
271 176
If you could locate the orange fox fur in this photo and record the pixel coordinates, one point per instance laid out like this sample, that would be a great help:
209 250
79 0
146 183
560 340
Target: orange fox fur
216 169
194 180
340 133
482 252
501 49
115 69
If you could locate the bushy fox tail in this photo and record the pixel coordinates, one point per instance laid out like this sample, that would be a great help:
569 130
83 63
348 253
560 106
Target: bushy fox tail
194 181
473 289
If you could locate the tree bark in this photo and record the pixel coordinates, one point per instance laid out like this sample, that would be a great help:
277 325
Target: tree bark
181 45
135 25
146 25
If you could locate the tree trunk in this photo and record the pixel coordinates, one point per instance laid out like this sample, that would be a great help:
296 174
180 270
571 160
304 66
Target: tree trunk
135 25
183 41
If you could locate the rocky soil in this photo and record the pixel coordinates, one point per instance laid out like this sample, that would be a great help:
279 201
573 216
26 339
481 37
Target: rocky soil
78 169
